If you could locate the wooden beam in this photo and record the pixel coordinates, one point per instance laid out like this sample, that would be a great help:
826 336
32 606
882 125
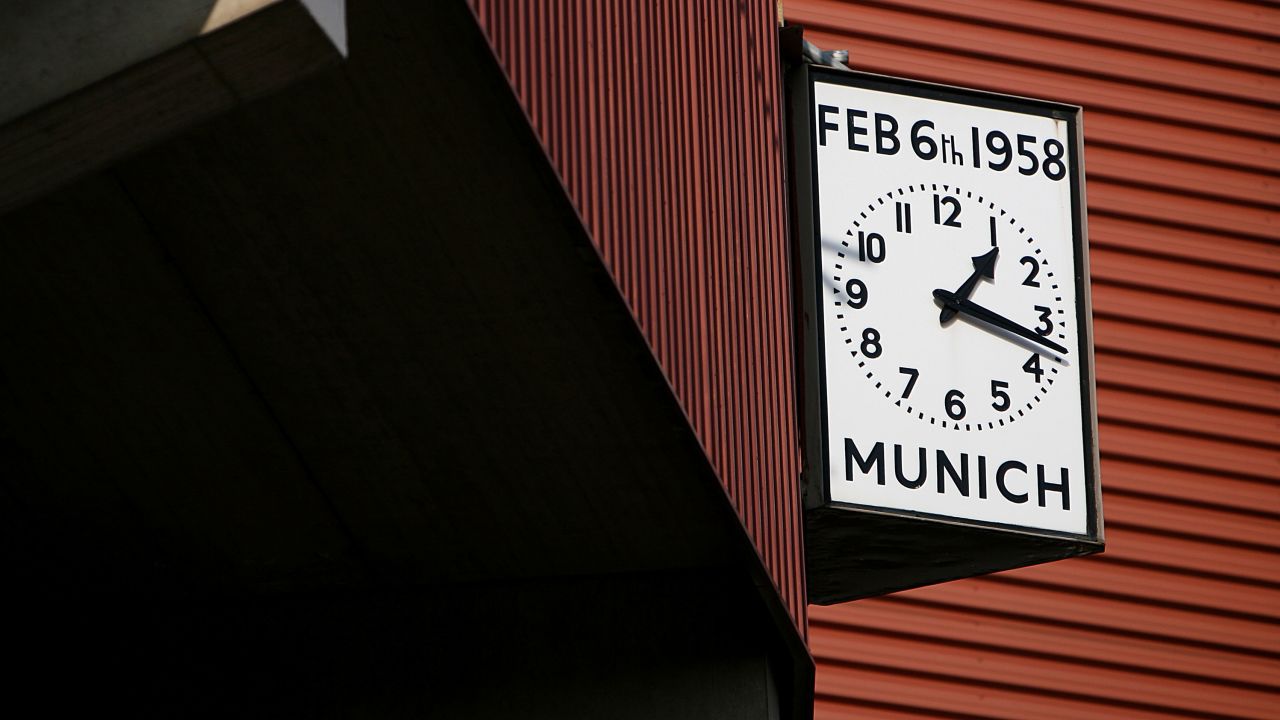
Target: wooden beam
157 98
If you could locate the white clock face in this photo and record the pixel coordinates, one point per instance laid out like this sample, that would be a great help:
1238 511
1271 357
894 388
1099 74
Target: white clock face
942 365
948 294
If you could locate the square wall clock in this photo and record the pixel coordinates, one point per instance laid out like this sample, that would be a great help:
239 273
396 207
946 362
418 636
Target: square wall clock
950 427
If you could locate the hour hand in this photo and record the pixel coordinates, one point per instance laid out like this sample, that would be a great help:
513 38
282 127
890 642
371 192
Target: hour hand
984 266
964 305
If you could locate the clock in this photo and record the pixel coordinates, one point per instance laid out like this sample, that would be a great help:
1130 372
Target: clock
947 347
949 306
946 353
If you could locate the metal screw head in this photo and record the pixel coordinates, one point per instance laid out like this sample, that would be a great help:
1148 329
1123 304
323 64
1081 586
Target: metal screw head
840 56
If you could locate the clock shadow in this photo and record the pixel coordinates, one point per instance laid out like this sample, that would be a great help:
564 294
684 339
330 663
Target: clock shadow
1010 337
835 247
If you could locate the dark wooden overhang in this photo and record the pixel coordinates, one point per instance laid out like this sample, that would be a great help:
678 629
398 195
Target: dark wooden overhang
268 363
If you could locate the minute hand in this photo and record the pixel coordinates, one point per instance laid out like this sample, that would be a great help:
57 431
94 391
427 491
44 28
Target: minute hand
969 307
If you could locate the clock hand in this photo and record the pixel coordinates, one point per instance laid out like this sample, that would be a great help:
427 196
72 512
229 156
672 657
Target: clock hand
969 307
984 266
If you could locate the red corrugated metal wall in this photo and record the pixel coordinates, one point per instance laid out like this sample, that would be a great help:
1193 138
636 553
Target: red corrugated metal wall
664 122
1181 617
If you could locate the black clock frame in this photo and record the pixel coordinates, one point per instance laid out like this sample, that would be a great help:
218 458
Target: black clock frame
853 550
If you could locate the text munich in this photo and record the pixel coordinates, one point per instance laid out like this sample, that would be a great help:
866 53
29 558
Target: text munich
918 468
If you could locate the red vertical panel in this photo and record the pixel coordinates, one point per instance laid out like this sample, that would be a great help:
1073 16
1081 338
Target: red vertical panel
662 120
1180 617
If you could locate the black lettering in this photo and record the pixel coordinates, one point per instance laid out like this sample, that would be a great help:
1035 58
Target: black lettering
855 131
925 147
1058 487
887 135
823 125
982 477
897 469
875 459
1054 151
1004 489
945 468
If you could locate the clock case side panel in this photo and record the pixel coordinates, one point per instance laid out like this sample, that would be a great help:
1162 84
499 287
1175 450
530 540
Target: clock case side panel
804 236
1084 321
854 554
857 552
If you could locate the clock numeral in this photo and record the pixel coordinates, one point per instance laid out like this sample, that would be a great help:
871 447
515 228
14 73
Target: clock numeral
1032 366
871 247
955 408
993 230
953 220
871 343
856 290
1035 270
1002 402
903 211
1045 314
912 375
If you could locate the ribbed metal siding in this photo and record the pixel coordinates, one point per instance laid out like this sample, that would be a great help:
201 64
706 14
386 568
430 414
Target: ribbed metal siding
1181 616
663 120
